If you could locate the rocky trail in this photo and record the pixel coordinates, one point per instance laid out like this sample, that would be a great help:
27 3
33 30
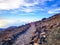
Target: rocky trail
24 39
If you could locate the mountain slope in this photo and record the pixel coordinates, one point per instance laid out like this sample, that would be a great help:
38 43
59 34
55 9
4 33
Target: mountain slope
13 32
52 24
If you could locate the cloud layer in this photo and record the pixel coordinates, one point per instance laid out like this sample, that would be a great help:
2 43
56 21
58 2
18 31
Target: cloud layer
13 4
9 22
14 8
10 4
28 5
5 22
56 10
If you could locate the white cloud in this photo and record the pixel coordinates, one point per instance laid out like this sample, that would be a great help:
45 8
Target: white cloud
28 10
31 9
5 22
13 4
28 20
10 4
11 22
56 10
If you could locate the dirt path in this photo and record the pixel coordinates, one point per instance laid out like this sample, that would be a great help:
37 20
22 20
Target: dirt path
25 38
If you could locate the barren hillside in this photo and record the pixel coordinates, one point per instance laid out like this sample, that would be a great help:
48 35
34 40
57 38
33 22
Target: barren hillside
51 24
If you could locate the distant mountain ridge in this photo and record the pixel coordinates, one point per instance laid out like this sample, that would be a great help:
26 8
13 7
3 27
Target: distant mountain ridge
1 29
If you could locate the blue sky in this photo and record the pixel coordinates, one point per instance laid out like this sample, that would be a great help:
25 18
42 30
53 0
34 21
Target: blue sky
18 12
